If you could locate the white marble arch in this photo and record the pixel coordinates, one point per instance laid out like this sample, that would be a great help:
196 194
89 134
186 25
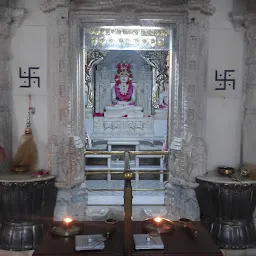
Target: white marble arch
189 23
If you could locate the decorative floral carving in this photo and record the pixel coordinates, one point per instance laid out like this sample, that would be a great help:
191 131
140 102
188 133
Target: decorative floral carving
203 5
180 200
49 5
187 158
104 127
4 29
92 57
127 16
18 16
251 34
157 59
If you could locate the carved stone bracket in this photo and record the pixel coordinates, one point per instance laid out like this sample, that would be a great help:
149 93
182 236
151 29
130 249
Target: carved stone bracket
18 16
238 21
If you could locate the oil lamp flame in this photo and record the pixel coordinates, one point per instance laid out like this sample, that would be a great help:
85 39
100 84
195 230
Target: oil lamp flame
68 220
158 220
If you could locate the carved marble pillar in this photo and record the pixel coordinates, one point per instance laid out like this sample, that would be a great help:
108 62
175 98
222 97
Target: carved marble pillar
8 18
187 148
249 125
192 91
65 160
247 22
5 113
195 69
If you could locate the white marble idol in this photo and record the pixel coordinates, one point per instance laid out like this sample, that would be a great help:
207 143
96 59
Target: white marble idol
123 95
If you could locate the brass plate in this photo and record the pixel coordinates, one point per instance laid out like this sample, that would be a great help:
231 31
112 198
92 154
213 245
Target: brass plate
150 226
66 231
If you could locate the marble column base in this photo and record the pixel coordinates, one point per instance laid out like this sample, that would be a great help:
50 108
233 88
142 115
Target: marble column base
181 201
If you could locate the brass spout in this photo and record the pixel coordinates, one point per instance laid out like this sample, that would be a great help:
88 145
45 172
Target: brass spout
128 176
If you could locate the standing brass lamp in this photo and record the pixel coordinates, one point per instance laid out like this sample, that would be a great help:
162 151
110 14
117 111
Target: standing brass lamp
128 176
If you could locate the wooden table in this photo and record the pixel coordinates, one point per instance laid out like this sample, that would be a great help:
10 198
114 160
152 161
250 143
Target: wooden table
176 243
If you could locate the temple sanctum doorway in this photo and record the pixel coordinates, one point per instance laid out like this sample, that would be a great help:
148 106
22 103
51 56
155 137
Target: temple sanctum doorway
108 70
126 109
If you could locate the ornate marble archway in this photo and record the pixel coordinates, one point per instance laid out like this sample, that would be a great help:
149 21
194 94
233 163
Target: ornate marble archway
188 19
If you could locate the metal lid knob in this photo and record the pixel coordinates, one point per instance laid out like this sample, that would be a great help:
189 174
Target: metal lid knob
128 175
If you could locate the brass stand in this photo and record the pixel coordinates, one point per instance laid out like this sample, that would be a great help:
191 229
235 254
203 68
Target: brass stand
128 176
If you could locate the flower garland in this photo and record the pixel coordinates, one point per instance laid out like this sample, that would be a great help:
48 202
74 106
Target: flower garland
164 105
124 97
123 69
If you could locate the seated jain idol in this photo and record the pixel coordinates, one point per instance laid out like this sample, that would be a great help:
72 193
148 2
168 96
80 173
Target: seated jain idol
123 95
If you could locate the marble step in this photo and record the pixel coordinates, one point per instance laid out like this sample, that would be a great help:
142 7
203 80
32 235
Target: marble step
145 192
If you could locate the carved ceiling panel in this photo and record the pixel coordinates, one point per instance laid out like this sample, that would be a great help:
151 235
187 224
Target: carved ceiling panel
134 2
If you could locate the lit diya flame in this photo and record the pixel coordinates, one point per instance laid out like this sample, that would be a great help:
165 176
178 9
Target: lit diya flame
68 221
158 220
